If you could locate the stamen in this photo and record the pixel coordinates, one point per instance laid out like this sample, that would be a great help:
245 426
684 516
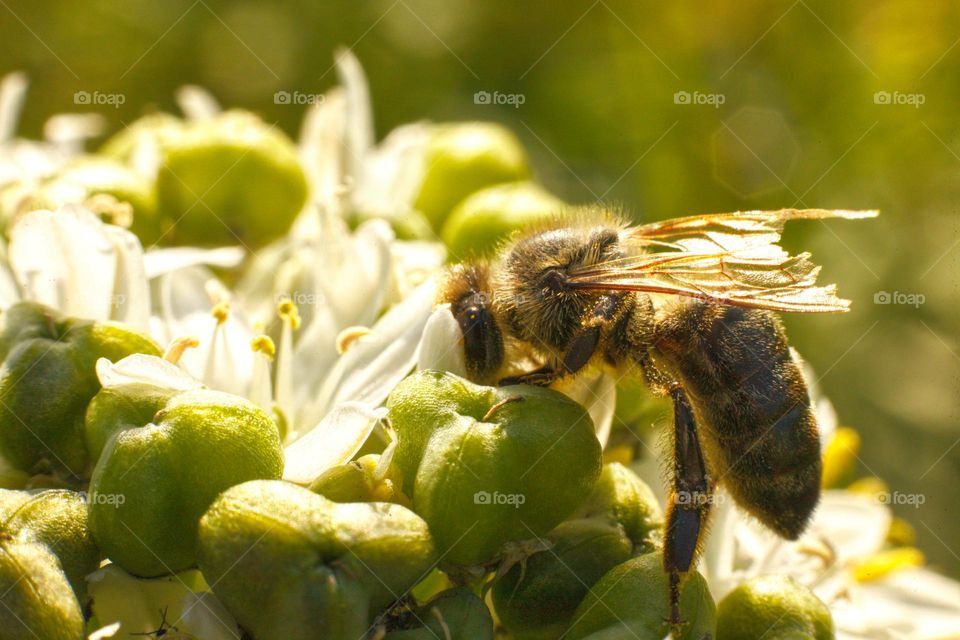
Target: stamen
177 348
264 344
348 336
886 562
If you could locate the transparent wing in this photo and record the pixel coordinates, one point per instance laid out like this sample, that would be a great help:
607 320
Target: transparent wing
727 258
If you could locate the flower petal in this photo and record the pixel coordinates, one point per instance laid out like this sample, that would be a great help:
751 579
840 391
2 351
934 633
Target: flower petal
375 363
160 261
65 260
334 440
441 346
143 369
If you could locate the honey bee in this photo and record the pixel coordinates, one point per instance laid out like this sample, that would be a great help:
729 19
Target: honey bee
689 303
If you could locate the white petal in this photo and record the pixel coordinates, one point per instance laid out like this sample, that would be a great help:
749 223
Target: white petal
140 368
13 92
375 363
136 603
161 261
197 103
65 260
334 440
359 119
9 292
314 356
131 291
103 633
322 141
392 173
441 346
596 390
183 302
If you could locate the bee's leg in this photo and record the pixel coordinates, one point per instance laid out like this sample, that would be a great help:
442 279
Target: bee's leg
581 348
689 504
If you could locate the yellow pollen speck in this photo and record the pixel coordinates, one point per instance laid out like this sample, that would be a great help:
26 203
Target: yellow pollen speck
221 312
263 344
288 312
350 335
176 349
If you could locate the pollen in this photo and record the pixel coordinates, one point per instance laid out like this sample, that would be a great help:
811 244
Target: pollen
221 312
264 344
288 312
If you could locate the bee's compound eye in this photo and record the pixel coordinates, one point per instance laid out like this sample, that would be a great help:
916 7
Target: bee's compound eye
482 342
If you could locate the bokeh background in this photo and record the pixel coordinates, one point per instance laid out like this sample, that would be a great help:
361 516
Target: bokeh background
669 108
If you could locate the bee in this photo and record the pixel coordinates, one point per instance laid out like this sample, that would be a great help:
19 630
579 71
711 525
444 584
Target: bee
689 304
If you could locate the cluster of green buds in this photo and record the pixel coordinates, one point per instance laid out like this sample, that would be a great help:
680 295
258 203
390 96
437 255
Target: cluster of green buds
299 476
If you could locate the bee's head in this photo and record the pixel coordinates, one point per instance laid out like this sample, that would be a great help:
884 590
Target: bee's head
532 285
469 294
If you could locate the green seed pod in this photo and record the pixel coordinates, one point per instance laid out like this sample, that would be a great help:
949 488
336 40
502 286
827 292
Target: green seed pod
228 180
456 614
774 607
57 519
357 481
536 598
46 355
164 464
36 600
489 465
291 565
461 158
621 496
485 218
634 596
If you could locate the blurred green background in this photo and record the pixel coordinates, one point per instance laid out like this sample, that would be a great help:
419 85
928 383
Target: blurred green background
669 108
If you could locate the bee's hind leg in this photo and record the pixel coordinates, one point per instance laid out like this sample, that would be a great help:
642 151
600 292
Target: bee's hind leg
688 506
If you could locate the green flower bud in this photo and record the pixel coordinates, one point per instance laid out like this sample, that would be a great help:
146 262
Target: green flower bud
291 565
463 157
36 600
456 614
622 497
536 598
357 481
774 607
164 461
228 180
48 356
486 465
487 217
56 519
634 597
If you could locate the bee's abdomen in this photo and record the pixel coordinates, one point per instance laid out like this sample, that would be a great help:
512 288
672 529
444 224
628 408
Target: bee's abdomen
759 433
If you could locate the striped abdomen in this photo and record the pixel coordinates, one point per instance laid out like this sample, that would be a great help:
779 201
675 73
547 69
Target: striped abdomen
752 409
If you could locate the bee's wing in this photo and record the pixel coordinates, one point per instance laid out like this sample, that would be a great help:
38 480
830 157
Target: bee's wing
721 232
727 258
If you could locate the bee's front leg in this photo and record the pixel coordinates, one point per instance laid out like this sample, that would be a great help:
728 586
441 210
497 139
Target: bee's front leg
689 504
580 349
